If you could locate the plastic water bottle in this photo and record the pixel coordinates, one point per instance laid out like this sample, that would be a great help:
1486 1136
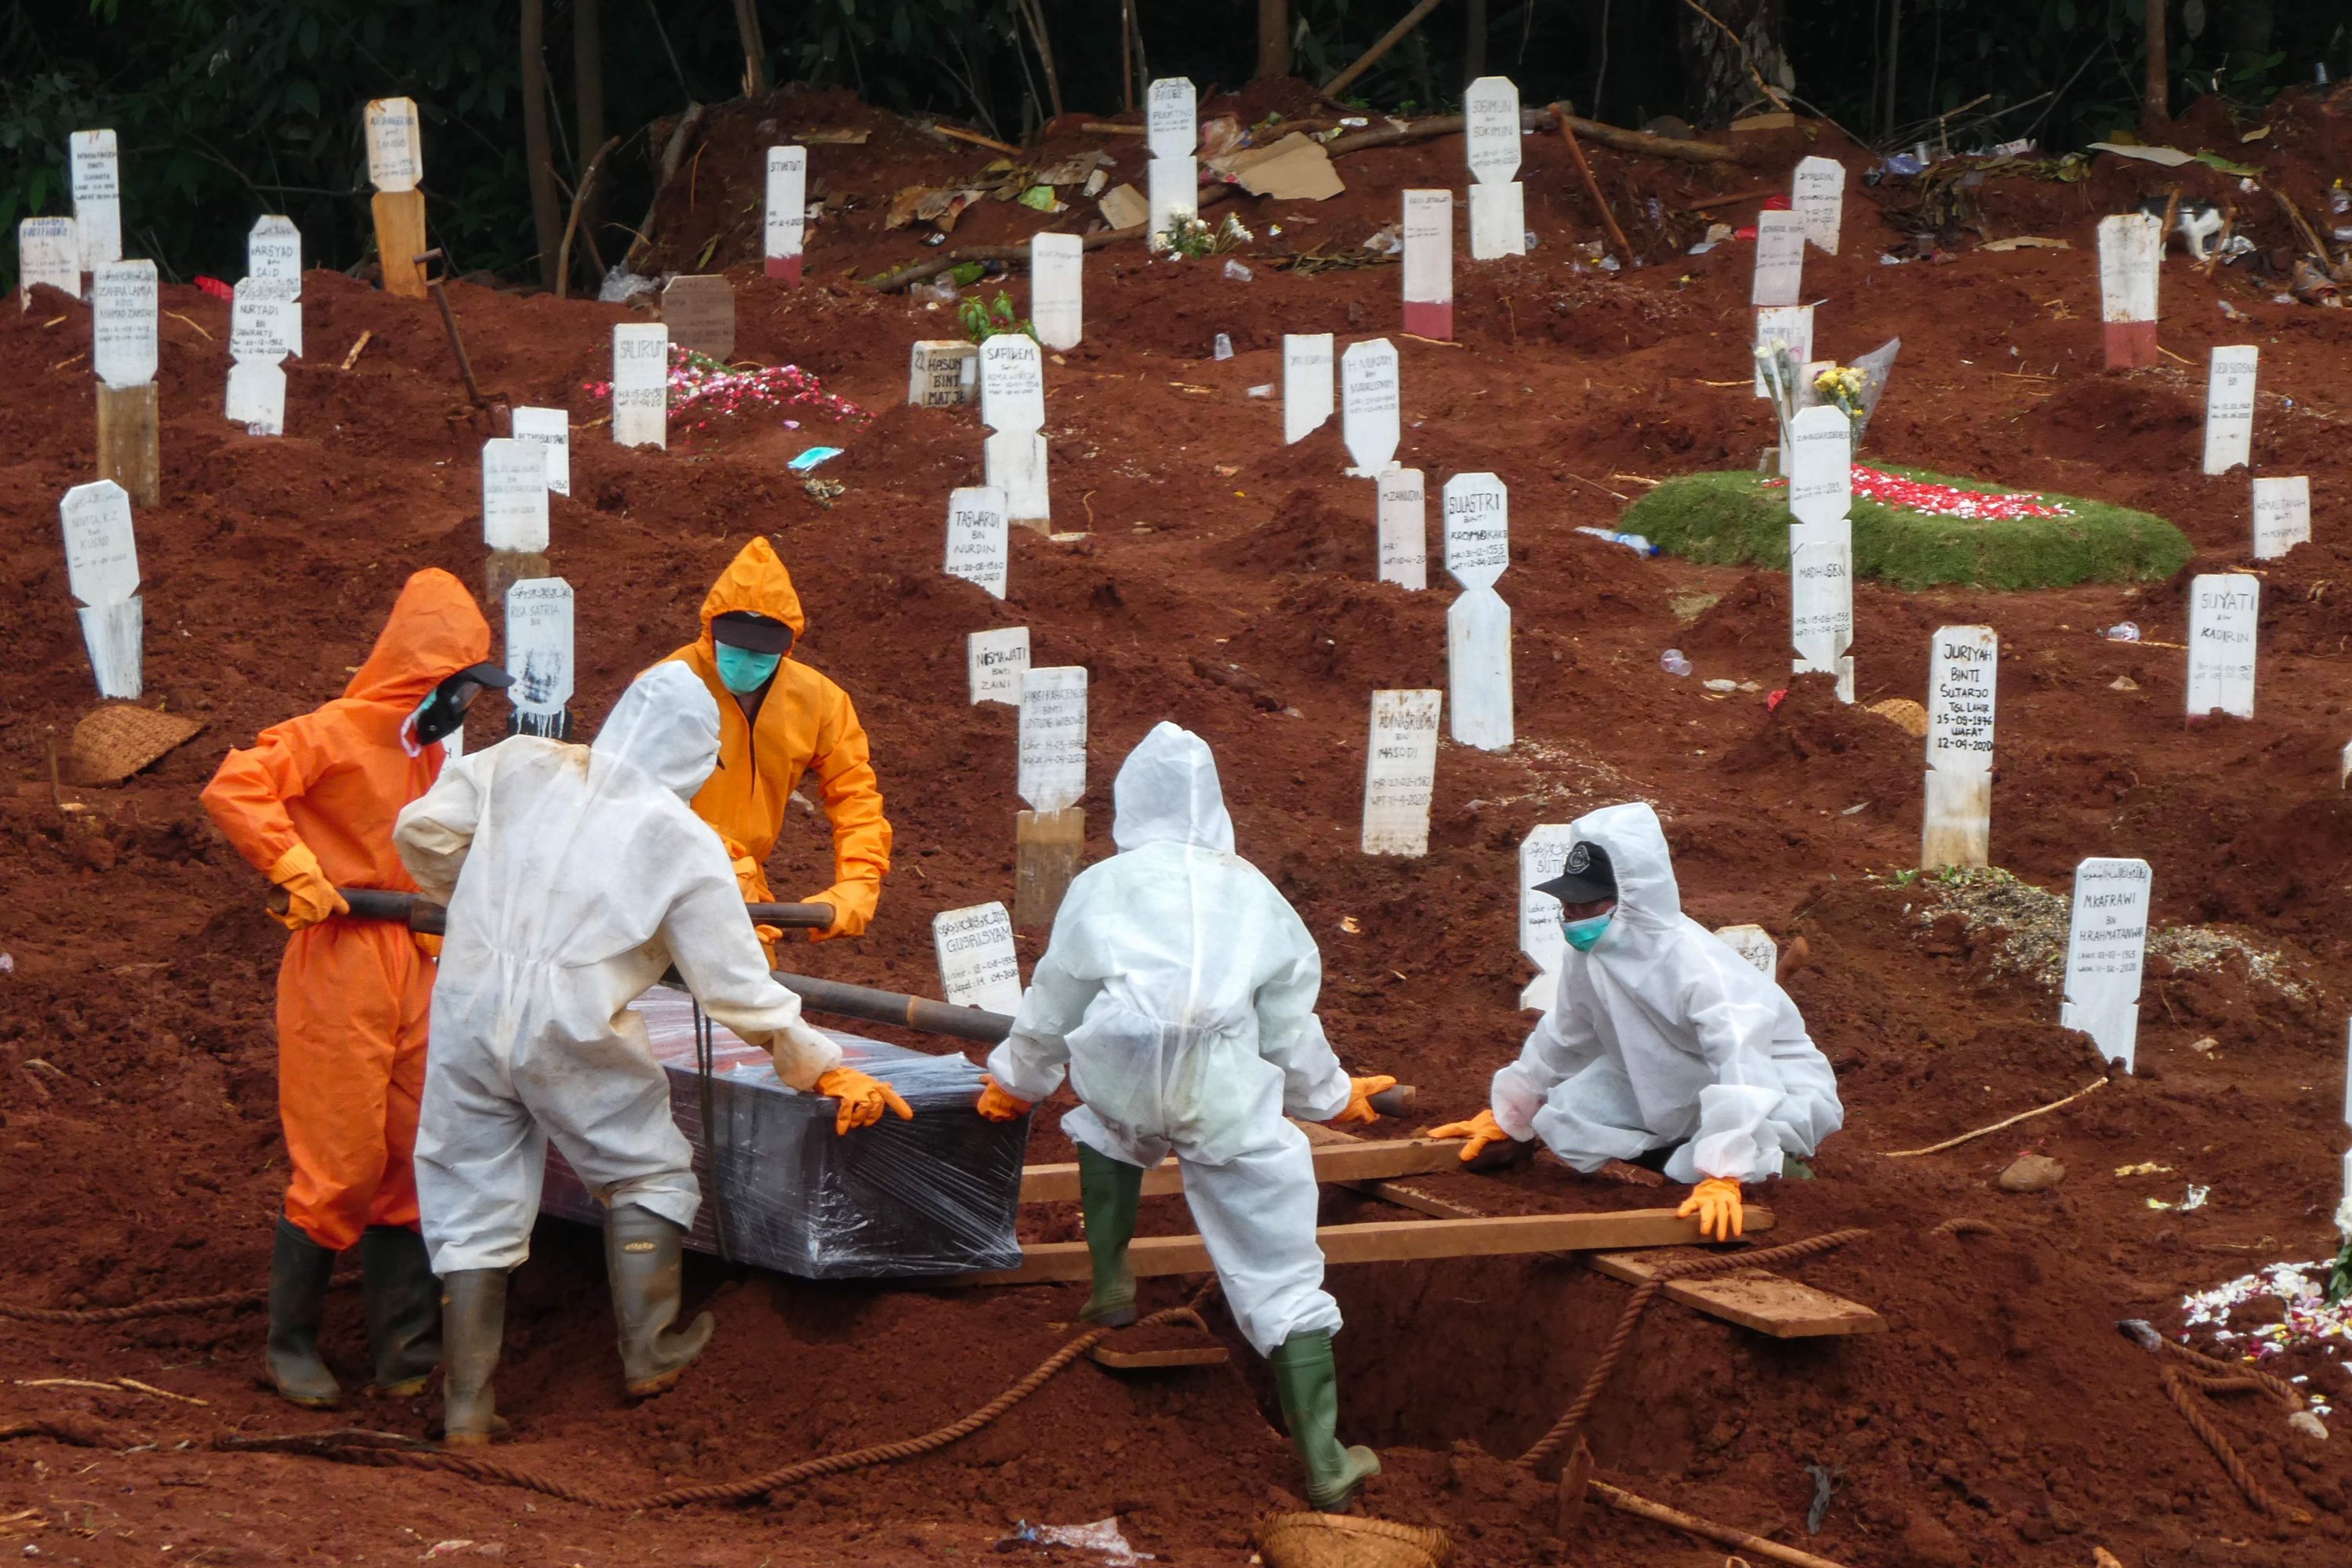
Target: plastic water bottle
1238 271
1672 662
2122 631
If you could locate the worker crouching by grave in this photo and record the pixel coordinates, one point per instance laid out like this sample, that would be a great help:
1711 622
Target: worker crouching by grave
311 805
575 877
1663 1048
1177 991
779 719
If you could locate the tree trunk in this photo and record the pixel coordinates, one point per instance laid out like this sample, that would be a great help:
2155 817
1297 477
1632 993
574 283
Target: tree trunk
544 220
1716 83
1473 43
2155 104
2252 24
755 51
588 97
1273 39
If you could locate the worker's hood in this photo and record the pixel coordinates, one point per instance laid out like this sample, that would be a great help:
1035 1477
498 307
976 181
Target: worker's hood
755 581
435 630
1647 894
1167 793
666 723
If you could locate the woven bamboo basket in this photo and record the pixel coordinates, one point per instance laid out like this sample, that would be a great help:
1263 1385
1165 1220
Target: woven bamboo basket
1344 1540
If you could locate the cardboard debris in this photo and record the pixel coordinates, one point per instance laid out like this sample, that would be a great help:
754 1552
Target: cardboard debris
1764 122
2026 242
114 743
939 206
2168 157
1295 168
1123 207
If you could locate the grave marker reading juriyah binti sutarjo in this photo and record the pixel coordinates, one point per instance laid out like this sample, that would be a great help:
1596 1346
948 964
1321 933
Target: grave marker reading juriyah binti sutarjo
124 301
978 551
48 251
550 430
1820 544
1404 528
1490 120
95 174
1013 405
1963 674
995 661
2230 407
641 384
978 965
2131 245
1428 230
784 226
1306 370
2105 944
538 654
1478 625
2224 610
1173 128
1543 854
395 164
102 572
1057 272
1400 772
1053 775
2282 515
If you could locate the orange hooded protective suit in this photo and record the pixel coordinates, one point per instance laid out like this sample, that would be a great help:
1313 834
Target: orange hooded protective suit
805 725
352 995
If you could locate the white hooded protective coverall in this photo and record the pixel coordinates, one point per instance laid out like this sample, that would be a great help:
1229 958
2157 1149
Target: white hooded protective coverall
1663 1034
575 877
1179 990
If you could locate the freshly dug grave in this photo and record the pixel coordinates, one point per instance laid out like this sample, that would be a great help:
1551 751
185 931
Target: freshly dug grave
2001 1421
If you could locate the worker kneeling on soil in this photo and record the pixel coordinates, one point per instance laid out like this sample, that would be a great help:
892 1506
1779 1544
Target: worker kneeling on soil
1664 1047
1179 990
779 719
575 877
311 805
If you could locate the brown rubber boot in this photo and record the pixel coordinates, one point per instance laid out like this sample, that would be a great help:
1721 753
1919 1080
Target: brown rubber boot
645 1260
298 1269
474 1326
404 1308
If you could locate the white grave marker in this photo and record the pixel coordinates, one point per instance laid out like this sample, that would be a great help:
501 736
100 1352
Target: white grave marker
123 299
1171 118
1490 114
2282 515
978 551
1754 945
1478 623
944 373
1428 263
2230 407
1056 288
1400 772
1498 221
1780 258
273 248
1791 325
1404 530
256 321
1819 465
1054 737
641 384
996 660
1543 855
2131 246
1818 197
256 397
1963 676
96 176
1820 601
1369 404
538 653
49 250
1012 383
1175 192
395 160
2104 947
786 229
2223 609
1477 529
1305 385
514 496
978 966
548 429
102 571
1013 461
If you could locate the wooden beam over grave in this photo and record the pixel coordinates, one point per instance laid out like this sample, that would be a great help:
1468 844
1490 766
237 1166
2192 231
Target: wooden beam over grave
1352 1159
1751 1298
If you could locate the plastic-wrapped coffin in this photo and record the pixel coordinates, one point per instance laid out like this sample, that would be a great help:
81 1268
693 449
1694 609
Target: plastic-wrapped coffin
932 1196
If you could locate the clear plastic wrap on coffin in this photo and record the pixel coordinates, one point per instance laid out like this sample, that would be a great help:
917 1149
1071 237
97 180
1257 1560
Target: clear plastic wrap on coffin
936 1196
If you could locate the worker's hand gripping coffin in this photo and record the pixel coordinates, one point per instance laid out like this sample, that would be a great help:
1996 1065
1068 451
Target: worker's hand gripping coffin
931 1196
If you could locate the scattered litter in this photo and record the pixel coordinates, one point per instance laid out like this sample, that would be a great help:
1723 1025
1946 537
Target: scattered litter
1672 662
2026 242
2195 1200
1102 1537
2206 1047
1825 1482
2145 1168
812 458
1632 541
1237 270
1384 242
1351 925
2122 631
2168 157
939 291
1225 347
1720 684
2123 683
621 286
2310 1426
1040 198
8 964
1263 389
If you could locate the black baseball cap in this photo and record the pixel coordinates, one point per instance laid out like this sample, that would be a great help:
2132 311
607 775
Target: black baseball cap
484 674
750 629
1587 879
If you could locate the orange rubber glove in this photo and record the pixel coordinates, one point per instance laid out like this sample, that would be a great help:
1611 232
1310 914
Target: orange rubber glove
310 897
428 943
1359 1098
1715 1201
1480 1130
768 936
853 906
999 1104
863 1098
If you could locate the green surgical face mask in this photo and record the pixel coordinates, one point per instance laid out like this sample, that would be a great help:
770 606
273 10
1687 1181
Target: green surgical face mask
742 672
1581 934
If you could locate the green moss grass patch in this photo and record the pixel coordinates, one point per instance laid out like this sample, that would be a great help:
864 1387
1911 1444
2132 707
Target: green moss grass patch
1742 519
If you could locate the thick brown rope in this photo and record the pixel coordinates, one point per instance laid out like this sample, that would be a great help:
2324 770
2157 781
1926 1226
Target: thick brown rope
1619 1337
2210 1375
136 1309
348 1447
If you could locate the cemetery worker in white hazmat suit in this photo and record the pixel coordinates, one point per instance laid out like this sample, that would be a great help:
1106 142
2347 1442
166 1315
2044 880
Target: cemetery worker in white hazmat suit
1661 1039
1177 990
575 877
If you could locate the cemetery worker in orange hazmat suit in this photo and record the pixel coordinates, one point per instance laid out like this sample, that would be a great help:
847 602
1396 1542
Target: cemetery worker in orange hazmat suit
1663 1045
575 877
778 720
311 805
1178 992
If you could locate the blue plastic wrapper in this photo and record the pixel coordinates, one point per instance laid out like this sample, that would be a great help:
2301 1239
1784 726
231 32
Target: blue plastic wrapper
936 1196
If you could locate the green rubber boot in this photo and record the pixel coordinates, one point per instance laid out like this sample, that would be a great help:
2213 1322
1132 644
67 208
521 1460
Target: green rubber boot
1109 1191
404 1308
645 1257
298 1269
474 1317
1309 1386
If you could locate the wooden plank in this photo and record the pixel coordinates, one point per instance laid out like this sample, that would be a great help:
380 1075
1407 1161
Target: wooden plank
1751 1298
1397 1193
1384 1241
1352 1160
399 240
128 452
